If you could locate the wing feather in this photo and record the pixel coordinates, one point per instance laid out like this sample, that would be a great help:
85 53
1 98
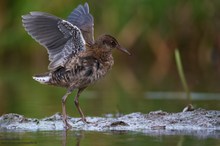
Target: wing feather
81 17
61 38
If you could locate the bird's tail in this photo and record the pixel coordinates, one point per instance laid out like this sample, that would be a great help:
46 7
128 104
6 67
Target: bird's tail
43 79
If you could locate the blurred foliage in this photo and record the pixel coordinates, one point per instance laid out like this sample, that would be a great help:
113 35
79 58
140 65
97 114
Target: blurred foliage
150 29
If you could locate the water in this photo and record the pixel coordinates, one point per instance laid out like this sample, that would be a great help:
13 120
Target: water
111 138
23 96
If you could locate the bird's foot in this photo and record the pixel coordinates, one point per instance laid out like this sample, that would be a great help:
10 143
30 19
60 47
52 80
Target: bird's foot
84 121
67 126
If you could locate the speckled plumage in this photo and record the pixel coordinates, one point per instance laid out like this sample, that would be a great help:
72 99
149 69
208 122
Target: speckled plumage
83 69
76 60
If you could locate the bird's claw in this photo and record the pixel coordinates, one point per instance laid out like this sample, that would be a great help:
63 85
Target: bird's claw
67 125
84 121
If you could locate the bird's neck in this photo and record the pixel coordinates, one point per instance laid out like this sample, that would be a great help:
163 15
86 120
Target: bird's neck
101 54
105 55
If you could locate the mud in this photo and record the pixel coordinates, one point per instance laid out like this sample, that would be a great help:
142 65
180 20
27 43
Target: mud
197 122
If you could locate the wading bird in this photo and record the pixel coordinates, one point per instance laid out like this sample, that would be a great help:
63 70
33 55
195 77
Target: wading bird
76 59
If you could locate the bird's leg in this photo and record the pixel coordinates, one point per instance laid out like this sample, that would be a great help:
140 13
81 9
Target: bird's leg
67 125
76 101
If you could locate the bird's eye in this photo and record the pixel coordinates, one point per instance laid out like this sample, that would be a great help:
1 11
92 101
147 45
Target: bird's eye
113 43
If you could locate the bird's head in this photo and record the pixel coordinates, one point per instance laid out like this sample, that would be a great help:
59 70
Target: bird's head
108 42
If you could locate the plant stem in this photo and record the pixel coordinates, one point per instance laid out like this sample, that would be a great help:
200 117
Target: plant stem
181 74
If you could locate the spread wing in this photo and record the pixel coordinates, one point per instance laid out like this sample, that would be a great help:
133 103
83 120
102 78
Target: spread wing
61 38
84 21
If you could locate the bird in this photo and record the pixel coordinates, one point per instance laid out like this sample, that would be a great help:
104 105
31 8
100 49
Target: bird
77 60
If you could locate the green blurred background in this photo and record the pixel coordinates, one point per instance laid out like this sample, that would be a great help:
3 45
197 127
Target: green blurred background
150 29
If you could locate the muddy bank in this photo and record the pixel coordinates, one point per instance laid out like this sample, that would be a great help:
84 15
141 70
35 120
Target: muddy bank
197 121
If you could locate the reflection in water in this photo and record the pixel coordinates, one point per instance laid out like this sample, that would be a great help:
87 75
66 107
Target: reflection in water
64 138
181 140
108 138
78 135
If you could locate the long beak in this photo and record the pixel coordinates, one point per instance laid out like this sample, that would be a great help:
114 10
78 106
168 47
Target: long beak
123 50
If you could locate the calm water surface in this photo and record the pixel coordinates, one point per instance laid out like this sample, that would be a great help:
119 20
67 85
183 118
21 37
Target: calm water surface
82 138
37 101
